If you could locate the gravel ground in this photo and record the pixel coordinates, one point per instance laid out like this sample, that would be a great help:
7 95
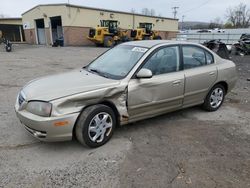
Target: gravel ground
188 148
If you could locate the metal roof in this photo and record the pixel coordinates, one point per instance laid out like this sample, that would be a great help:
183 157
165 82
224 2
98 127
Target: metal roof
99 9
10 18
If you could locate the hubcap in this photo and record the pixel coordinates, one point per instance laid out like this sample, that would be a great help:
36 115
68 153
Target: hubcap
110 42
216 98
100 126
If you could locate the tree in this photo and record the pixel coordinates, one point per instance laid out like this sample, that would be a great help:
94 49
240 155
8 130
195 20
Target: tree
228 25
216 23
148 12
239 16
152 12
133 10
2 16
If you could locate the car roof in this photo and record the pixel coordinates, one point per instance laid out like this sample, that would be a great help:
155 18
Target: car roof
152 43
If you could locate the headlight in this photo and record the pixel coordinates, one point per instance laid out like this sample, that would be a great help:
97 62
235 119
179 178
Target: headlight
39 108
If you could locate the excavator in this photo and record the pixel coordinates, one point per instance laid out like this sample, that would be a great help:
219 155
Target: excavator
145 32
108 34
6 42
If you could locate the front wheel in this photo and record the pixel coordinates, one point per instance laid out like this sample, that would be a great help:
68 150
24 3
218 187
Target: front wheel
215 98
95 125
109 41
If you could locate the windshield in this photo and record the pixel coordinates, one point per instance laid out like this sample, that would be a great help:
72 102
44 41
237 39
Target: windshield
117 62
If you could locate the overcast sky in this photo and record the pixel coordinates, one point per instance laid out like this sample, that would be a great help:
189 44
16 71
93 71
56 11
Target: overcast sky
194 10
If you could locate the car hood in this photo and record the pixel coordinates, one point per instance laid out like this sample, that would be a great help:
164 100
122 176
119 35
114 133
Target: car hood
57 86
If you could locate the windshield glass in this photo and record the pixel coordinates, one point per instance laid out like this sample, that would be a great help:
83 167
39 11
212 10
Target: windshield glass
117 62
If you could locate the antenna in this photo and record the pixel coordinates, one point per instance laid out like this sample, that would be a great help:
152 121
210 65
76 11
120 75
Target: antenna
175 11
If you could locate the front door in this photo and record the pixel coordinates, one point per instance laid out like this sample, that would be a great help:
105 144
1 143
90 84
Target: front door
161 93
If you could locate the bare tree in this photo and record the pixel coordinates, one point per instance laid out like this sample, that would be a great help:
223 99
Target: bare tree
148 12
216 23
2 16
133 10
152 12
239 16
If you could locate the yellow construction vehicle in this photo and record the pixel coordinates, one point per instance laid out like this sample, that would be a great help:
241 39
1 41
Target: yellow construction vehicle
108 34
145 32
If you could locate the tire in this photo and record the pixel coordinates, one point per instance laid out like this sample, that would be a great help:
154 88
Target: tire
98 45
157 37
214 98
125 39
88 132
146 38
8 47
108 41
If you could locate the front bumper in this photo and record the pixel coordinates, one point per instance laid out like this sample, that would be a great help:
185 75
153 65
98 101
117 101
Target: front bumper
48 128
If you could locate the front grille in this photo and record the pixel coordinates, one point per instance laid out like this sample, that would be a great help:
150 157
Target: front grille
91 33
20 99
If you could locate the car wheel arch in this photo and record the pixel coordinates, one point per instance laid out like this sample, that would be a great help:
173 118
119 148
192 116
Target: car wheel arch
224 84
106 103
113 107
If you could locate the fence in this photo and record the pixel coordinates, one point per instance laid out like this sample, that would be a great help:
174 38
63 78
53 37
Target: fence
227 38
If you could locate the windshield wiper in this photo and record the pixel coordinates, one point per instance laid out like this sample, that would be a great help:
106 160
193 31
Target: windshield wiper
94 70
99 72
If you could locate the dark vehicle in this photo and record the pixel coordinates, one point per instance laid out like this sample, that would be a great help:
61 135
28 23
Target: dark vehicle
245 36
218 47
243 45
6 42
58 42
204 31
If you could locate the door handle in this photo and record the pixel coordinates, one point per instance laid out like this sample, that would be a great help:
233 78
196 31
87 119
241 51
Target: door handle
211 73
177 82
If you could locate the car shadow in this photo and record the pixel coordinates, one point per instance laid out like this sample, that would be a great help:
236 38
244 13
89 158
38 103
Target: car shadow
161 121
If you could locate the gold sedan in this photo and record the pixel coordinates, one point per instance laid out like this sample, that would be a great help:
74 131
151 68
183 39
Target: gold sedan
131 82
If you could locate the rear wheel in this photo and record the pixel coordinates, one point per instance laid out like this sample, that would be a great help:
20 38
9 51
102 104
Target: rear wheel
95 125
108 41
157 37
146 38
98 45
214 98
8 47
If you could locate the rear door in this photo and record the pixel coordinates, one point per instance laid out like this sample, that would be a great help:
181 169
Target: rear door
200 73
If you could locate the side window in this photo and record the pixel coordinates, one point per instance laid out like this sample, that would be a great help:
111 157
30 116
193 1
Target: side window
193 57
209 57
163 61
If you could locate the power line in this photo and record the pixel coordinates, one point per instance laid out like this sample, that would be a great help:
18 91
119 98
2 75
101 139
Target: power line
196 7
175 11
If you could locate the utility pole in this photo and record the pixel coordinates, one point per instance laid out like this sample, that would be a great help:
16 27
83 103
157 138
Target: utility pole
69 13
182 21
175 11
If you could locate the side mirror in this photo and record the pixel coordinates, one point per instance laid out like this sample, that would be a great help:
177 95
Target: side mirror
144 73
